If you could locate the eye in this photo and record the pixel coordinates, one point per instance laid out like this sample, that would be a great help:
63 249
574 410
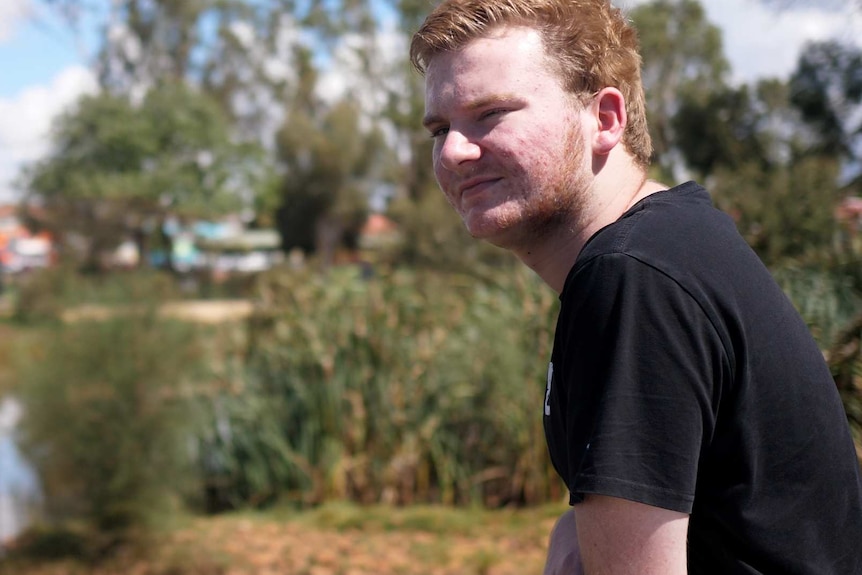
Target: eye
491 113
436 132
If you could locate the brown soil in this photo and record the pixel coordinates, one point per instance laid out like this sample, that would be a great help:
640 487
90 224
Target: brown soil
504 543
201 311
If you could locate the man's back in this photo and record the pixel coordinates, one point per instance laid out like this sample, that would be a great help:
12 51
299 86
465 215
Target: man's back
683 378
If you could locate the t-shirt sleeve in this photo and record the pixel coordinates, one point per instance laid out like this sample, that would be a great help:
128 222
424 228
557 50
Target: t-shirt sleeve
641 370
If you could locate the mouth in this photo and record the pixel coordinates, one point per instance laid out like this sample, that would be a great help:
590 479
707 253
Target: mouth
476 185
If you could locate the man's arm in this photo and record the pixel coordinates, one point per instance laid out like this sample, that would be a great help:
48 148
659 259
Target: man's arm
621 537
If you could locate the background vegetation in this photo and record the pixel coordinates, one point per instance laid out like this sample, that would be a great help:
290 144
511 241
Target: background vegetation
412 378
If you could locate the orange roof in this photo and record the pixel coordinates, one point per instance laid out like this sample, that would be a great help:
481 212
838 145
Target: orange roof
378 224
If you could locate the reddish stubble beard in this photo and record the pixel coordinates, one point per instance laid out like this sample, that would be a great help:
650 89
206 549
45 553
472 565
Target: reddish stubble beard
555 205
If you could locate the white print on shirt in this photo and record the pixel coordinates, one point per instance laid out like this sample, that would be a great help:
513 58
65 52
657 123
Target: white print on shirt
548 388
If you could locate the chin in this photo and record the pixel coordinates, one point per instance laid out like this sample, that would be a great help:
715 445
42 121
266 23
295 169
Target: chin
482 230
486 224
500 236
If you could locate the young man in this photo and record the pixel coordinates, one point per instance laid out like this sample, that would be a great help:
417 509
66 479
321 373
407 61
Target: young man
687 407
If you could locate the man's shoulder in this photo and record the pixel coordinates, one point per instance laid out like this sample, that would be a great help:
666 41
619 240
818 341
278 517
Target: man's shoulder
661 216
677 231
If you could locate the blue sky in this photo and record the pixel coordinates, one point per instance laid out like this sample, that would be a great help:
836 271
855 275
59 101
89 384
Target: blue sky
44 64
34 52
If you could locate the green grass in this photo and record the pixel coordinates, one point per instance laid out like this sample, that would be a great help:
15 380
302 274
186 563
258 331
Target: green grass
434 519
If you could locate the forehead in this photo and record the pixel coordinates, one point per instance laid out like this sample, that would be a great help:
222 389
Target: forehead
510 58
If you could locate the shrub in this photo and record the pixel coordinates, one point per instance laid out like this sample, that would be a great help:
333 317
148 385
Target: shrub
408 387
107 423
43 295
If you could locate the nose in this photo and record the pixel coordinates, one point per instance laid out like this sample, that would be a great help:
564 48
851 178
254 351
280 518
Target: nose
457 151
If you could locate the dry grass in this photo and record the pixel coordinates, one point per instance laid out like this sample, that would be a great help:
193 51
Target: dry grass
336 540
203 311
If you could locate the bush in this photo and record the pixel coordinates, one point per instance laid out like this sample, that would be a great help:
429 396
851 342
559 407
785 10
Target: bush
825 298
107 422
43 295
409 387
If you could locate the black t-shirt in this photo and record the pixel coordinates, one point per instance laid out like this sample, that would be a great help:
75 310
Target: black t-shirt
682 377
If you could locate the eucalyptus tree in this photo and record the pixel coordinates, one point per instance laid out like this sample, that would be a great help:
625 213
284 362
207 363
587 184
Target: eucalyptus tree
738 125
271 65
826 88
164 135
330 162
406 109
683 61
776 154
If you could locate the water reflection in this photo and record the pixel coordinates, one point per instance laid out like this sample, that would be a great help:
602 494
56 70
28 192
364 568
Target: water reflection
19 487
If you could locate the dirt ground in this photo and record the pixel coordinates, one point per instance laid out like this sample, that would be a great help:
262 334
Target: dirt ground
499 543
201 311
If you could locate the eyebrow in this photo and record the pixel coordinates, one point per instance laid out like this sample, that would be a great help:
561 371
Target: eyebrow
484 102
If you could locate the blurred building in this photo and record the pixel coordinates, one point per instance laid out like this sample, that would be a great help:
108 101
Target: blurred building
21 249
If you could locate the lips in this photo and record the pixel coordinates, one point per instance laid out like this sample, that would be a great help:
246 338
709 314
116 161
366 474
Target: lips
476 185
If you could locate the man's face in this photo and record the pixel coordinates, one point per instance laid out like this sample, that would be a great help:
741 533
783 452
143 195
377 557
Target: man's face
508 140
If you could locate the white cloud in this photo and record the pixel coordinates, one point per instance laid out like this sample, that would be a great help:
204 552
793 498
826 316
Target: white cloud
26 118
11 13
760 41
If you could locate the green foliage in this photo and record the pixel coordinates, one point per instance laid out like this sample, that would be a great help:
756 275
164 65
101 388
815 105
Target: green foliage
782 213
442 521
435 238
683 60
107 419
826 88
118 167
409 387
44 295
173 149
732 127
332 166
45 543
825 298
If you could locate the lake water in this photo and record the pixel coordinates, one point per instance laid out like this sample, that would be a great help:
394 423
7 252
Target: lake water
19 486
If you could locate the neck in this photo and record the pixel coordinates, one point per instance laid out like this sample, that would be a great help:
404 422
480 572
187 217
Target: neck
553 256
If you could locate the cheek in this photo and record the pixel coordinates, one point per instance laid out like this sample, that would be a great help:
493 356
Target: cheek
530 164
440 174
526 154
435 163
444 180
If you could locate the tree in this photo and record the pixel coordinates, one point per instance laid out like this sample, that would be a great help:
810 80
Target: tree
735 126
407 106
784 213
826 88
118 169
720 130
269 64
330 163
683 60
262 61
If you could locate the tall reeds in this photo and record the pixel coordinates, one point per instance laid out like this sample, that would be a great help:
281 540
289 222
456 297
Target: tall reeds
405 387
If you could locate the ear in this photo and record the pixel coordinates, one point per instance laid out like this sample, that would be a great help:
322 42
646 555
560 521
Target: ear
609 108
